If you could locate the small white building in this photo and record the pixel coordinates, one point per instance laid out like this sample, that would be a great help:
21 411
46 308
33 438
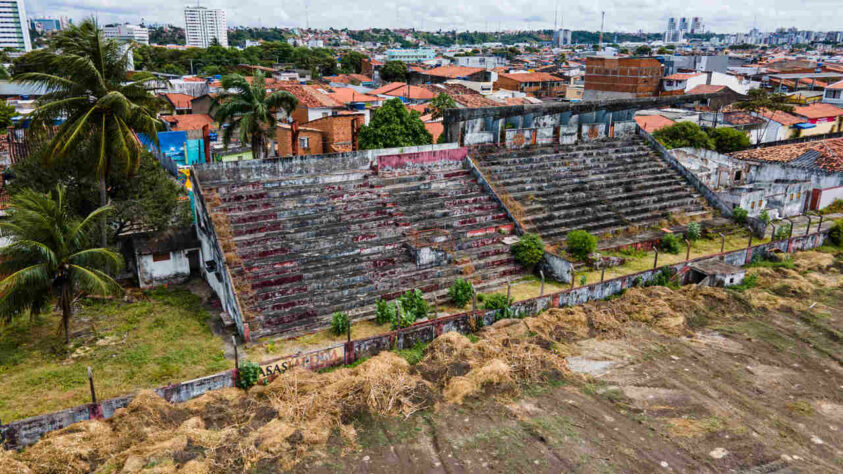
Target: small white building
833 94
165 258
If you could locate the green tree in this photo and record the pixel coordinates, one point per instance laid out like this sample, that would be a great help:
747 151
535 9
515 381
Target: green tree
528 251
761 100
683 134
643 50
440 103
662 50
86 76
351 62
394 71
6 114
393 125
51 256
728 139
250 110
580 243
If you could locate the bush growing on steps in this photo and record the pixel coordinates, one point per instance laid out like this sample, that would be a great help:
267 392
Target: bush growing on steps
692 233
413 307
740 215
782 232
528 250
247 375
835 235
670 243
580 243
339 323
461 292
384 312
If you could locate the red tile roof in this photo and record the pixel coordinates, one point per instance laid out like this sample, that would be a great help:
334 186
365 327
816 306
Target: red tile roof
308 96
453 72
531 77
474 101
179 101
815 111
193 79
783 118
740 118
682 76
435 129
400 89
187 121
651 123
836 86
830 153
348 78
346 95
705 89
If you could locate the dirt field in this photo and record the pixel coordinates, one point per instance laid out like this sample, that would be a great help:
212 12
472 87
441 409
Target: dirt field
694 380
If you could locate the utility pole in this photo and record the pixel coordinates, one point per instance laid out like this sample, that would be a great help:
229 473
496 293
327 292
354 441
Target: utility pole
600 41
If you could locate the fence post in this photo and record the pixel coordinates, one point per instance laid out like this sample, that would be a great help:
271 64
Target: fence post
474 301
508 289
773 235
541 292
656 258
808 229
790 233
602 273
687 250
91 382
236 353
722 246
749 244
820 227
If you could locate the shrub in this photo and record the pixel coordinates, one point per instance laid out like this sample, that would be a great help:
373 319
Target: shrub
693 231
683 134
248 375
498 301
461 292
384 312
764 217
835 235
782 232
413 307
749 281
740 215
728 139
580 243
583 280
670 243
664 278
339 323
528 250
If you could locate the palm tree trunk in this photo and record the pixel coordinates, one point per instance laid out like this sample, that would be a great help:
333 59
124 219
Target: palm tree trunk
64 302
103 202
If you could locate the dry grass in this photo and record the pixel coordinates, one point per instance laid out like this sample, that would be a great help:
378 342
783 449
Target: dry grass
270 348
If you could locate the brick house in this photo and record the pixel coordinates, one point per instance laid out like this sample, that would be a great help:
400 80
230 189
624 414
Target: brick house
622 78
538 84
333 134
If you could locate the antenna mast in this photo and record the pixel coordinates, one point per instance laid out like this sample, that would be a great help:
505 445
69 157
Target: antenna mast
600 41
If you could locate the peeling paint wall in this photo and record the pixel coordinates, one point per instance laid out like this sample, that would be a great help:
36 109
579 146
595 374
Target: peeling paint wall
175 269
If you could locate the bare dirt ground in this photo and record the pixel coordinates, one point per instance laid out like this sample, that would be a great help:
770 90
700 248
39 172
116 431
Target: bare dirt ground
657 380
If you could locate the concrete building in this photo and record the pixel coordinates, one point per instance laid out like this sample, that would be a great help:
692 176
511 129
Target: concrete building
203 25
45 25
696 25
410 55
14 27
699 63
538 84
487 62
622 78
562 37
162 259
127 33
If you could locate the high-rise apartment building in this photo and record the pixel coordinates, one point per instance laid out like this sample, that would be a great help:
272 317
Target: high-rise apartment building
203 25
683 24
562 37
14 27
696 25
139 34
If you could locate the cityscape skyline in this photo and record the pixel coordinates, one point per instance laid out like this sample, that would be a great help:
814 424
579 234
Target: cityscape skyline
721 17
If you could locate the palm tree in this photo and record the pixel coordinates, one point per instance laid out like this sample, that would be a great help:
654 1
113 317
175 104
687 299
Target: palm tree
87 82
51 256
250 110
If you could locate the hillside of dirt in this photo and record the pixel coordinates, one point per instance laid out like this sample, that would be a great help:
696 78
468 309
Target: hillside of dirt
656 380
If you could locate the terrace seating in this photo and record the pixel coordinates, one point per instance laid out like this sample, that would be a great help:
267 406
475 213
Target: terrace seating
312 245
600 186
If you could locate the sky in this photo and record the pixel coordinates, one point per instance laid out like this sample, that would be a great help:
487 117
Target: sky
719 16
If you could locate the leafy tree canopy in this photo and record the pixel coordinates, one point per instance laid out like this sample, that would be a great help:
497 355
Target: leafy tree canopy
683 134
728 139
393 125
394 71
440 103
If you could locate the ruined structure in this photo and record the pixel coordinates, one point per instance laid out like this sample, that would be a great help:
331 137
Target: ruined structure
302 238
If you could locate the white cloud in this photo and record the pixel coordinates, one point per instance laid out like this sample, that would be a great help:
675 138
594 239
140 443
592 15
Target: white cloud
621 15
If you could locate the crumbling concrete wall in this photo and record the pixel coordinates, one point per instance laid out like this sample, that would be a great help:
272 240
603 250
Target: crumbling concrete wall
175 269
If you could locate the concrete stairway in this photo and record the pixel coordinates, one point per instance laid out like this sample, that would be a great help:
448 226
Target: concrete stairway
316 244
601 187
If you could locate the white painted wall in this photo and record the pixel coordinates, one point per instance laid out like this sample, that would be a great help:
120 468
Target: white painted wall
152 273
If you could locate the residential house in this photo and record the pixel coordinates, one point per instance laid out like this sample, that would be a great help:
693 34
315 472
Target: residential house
332 134
651 123
193 124
203 104
833 94
676 84
406 92
179 102
371 68
780 126
819 119
446 73
313 103
538 84
353 79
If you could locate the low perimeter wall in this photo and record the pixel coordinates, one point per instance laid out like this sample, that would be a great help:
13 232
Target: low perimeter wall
27 431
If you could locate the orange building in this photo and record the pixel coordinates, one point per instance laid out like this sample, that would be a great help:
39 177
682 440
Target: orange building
333 134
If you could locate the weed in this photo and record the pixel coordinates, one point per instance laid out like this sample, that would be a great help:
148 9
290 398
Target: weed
749 281
801 407
414 354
